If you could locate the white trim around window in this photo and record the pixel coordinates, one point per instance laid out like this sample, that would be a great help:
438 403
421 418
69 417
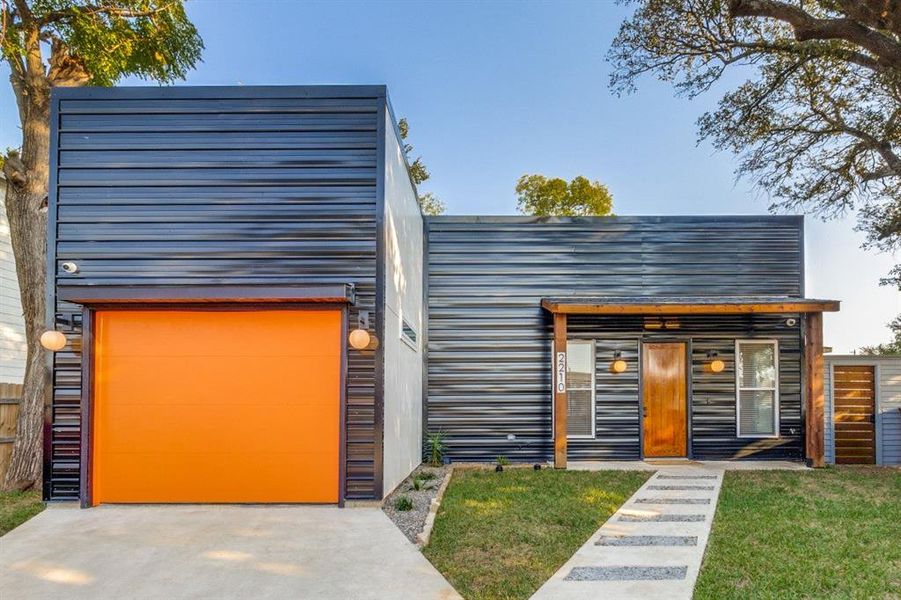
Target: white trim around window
408 333
774 389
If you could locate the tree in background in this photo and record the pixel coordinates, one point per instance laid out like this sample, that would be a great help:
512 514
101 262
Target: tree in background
543 197
430 204
817 125
893 347
67 43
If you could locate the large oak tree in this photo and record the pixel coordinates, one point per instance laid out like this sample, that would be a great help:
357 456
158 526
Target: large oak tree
817 119
50 43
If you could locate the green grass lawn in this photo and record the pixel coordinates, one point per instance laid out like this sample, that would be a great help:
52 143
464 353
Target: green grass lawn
18 507
831 533
501 535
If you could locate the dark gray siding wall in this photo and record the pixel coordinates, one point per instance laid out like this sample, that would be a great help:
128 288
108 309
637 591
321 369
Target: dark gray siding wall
251 186
489 341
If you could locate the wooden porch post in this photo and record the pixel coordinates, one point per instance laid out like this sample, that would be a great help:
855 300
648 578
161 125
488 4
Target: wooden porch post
560 404
815 395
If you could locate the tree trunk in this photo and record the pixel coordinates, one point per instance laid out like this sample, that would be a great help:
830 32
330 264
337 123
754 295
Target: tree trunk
26 195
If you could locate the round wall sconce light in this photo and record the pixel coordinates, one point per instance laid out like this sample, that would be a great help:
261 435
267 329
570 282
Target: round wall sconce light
53 340
618 365
716 365
70 267
359 339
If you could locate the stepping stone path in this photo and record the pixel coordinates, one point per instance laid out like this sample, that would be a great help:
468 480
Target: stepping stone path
652 547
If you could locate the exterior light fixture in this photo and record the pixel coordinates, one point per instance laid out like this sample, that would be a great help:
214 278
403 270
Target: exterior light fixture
359 339
618 365
53 340
716 365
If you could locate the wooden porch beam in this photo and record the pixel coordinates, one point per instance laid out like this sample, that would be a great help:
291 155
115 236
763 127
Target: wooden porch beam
558 367
787 307
814 367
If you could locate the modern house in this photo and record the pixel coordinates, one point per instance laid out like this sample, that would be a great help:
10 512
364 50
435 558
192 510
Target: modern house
256 311
863 409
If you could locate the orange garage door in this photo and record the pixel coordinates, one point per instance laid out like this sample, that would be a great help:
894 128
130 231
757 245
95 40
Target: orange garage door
216 406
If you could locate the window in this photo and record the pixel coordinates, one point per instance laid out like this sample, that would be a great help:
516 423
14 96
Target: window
580 388
407 333
757 388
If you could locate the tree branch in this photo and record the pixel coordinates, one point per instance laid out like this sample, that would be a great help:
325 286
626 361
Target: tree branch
807 27
100 9
24 11
884 149
876 14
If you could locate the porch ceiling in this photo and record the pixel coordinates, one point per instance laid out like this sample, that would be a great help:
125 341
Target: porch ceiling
685 305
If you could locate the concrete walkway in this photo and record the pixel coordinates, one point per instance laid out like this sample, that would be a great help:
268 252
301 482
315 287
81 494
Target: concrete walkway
652 547
222 552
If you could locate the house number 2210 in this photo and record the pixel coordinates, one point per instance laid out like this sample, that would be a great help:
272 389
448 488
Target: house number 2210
561 372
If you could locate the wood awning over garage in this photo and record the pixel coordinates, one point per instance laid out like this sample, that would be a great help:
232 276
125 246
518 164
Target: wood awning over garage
686 305
811 309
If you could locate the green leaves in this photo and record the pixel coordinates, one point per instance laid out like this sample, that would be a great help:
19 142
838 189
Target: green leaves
815 115
151 39
430 204
541 196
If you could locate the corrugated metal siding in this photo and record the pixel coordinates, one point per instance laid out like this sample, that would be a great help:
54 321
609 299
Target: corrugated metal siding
164 186
890 410
828 413
489 340
888 418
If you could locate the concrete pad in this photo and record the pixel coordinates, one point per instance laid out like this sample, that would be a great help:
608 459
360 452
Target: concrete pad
223 552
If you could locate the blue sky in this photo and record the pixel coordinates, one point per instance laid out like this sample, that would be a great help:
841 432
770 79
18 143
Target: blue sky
496 90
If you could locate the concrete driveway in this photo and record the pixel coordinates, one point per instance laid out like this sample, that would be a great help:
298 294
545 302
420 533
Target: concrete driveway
170 552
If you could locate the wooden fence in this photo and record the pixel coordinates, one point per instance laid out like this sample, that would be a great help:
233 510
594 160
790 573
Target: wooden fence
10 395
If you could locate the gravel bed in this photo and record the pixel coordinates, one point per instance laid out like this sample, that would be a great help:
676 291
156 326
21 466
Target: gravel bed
663 518
626 573
410 522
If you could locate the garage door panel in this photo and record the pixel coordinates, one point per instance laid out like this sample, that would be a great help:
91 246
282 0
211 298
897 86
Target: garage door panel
141 381
289 476
160 428
219 333
217 406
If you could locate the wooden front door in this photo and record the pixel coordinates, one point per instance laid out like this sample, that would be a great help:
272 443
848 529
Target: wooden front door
855 414
664 400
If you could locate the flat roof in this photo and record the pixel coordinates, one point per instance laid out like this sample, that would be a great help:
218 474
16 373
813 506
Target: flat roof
682 305
863 357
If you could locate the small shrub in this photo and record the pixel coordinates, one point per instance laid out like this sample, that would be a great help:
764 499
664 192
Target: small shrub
437 447
427 475
403 503
416 484
503 461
